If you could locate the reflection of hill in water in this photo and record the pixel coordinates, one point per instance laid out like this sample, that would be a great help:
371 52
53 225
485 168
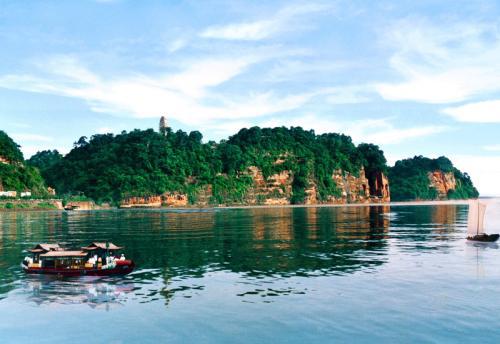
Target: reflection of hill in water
302 240
262 241
257 242
428 227
171 247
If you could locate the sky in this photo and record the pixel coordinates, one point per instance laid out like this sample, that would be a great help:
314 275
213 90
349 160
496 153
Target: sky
414 77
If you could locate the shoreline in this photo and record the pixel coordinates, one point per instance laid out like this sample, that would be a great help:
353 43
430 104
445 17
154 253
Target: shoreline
391 204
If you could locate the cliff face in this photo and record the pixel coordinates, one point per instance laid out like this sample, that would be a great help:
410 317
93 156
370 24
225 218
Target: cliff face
274 190
173 199
277 188
443 182
141 202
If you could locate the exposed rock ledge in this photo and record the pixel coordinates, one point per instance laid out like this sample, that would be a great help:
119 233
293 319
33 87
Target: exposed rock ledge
443 182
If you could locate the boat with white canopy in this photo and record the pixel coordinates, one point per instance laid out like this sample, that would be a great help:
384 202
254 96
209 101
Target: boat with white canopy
96 259
475 223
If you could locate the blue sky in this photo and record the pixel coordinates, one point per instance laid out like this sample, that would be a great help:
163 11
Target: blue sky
413 77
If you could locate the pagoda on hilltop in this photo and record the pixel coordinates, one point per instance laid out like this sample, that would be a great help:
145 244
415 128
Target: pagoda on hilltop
163 125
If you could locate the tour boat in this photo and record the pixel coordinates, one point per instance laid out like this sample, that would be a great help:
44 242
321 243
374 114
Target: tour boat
96 259
475 225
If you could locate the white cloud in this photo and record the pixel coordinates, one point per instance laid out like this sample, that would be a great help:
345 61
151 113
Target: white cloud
392 135
492 148
353 94
176 45
290 70
479 112
31 137
186 95
261 29
200 75
442 63
379 131
30 150
484 172
104 130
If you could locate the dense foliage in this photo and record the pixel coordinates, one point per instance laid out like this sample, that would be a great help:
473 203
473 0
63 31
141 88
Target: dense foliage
44 161
9 150
15 175
409 179
109 168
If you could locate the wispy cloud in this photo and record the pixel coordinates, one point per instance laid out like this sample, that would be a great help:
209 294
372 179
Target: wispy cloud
31 137
380 131
479 112
442 63
185 95
176 45
104 130
492 148
261 29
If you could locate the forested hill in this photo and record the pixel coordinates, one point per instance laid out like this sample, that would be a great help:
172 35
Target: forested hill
424 178
15 175
256 164
144 162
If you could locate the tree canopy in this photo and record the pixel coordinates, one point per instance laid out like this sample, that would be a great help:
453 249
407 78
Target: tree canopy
409 179
9 149
15 175
108 167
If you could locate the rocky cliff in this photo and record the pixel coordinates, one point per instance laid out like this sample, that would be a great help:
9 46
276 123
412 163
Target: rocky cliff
170 199
276 189
443 182
141 202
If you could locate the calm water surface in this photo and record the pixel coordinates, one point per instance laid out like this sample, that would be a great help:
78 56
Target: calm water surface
293 275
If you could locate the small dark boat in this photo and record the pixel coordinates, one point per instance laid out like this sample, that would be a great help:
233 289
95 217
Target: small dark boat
97 259
475 225
484 237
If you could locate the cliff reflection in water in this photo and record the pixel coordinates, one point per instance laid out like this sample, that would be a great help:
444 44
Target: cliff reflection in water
285 241
442 223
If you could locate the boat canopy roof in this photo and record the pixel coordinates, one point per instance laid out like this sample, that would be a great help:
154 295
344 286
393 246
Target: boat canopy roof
101 246
57 254
45 248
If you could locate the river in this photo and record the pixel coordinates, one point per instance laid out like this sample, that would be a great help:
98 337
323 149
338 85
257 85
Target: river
266 275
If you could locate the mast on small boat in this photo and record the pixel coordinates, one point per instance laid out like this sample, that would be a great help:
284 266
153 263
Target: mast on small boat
475 223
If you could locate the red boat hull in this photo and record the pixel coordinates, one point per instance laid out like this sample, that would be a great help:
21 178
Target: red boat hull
122 267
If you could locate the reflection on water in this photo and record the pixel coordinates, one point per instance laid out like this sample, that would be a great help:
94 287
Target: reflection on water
233 262
253 242
175 245
95 293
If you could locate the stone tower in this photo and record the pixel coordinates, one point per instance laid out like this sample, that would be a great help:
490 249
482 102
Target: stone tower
163 125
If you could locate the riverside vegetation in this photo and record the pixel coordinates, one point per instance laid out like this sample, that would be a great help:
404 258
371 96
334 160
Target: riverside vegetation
109 168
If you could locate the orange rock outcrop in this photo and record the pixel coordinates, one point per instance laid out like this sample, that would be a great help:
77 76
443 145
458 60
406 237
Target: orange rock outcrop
442 182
